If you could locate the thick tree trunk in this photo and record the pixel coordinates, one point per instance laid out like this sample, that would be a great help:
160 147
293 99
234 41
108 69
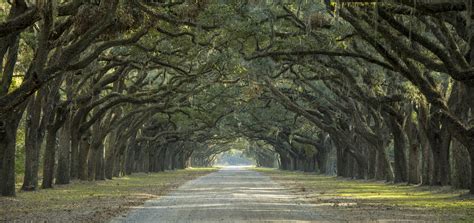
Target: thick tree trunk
436 153
384 168
340 161
74 157
152 156
413 151
472 174
49 158
9 121
413 163
349 165
162 159
427 164
8 130
91 162
64 156
372 163
32 144
110 155
440 141
100 164
322 159
444 165
84 149
129 159
461 166
118 163
399 144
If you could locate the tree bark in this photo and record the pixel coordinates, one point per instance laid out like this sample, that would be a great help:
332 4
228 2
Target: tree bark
8 130
111 154
100 162
49 158
461 166
84 149
445 165
56 118
413 152
399 144
64 156
32 144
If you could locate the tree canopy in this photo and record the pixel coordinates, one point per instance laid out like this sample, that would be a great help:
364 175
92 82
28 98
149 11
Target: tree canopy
93 90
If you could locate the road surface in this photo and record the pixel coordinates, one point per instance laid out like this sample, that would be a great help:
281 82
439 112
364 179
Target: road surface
232 194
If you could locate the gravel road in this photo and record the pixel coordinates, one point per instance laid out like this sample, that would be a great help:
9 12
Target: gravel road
232 194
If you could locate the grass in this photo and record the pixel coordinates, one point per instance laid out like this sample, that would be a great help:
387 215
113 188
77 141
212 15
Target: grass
93 201
440 201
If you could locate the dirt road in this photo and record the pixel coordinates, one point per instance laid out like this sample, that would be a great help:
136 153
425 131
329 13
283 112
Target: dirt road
232 194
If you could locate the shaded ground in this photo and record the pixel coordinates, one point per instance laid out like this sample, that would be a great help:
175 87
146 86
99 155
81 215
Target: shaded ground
92 201
355 200
233 194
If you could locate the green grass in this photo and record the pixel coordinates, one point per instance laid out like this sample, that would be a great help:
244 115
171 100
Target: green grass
377 193
124 186
72 199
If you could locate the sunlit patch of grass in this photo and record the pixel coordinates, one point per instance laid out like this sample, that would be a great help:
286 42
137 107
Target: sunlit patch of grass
376 192
135 188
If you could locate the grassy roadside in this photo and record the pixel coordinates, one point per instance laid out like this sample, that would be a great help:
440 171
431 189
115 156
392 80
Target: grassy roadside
359 200
93 201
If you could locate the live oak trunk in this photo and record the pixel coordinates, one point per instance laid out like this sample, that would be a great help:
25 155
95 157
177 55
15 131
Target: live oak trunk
56 118
383 167
399 144
461 166
340 161
100 164
413 150
372 163
444 164
84 149
64 155
111 154
8 129
322 159
32 143
413 164
49 158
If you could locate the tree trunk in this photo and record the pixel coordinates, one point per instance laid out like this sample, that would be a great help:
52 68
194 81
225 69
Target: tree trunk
64 156
461 166
340 161
91 162
56 118
384 168
100 162
110 154
399 144
74 157
83 156
413 151
413 161
49 158
444 165
426 158
472 174
372 163
32 144
162 159
8 130
322 159
129 159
